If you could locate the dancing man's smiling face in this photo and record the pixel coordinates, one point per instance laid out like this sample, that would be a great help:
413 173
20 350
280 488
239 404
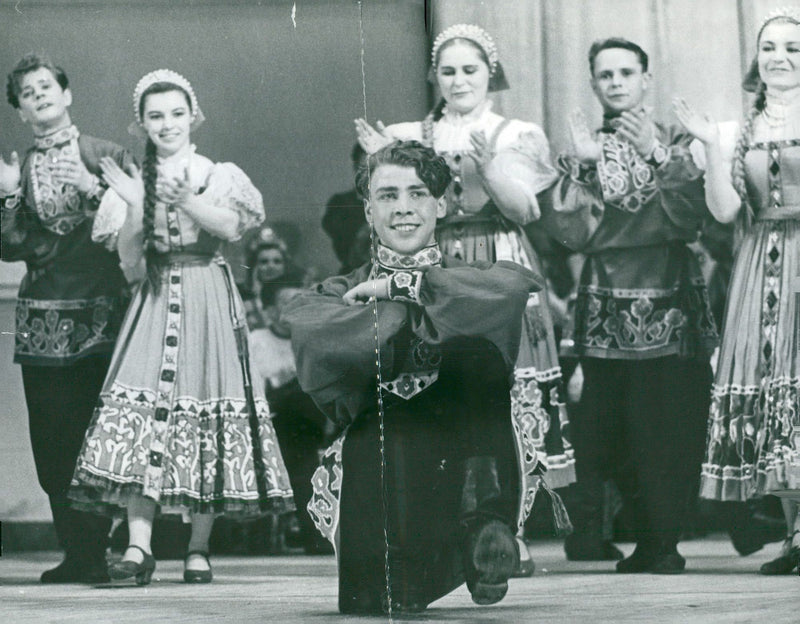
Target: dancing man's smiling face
402 209
42 101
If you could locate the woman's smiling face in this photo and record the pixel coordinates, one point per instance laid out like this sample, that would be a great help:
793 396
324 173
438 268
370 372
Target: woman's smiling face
167 117
779 55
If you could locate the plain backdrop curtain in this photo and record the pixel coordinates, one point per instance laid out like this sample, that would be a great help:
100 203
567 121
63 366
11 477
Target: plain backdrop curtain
697 49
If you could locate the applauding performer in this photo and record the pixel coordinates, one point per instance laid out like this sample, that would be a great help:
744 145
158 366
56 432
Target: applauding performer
179 423
71 300
421 492
630 198
754 427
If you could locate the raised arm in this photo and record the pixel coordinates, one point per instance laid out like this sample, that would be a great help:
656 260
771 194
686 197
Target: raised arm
22 237
573 208
515 174
723 201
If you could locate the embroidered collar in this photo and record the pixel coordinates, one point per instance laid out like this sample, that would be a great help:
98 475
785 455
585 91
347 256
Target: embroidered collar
393 261
56 137
457 119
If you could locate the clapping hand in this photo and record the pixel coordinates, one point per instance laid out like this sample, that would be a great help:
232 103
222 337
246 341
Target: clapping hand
176 191
129 186
480 153
368 291
702 127
584 146
9 175
638 129
71 170
372 139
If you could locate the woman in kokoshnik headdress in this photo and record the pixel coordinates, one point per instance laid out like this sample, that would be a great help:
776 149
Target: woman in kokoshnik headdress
754 425
179 424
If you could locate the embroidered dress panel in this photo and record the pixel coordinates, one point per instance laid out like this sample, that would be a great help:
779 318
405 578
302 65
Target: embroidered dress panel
178 420
755 411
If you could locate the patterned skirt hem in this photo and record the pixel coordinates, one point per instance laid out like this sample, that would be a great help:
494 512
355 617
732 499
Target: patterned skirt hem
725 487
102 496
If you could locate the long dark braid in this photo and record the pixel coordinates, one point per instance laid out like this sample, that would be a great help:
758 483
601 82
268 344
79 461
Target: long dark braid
746 214
149 176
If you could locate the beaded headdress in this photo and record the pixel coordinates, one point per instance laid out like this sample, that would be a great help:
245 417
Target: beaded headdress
787 12
171 77
752 79
477 35
473 33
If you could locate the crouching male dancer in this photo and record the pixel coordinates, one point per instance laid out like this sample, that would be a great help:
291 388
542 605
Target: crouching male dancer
413 354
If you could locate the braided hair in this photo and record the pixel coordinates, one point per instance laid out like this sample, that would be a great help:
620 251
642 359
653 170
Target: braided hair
150 176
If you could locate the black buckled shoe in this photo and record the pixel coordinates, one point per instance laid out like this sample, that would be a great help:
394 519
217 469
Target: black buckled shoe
197 576
125 568
787 562
491 557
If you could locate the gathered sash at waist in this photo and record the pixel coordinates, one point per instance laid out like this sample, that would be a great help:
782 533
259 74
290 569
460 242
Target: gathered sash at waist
187 258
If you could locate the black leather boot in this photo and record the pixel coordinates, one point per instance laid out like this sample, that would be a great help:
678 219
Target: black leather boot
83 537
491 555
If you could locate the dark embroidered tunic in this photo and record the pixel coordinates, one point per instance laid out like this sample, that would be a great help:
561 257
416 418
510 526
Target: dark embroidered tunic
71 300
641 293
342 351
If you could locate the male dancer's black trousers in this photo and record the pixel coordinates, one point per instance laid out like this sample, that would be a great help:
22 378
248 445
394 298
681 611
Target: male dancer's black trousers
60 405
641 423
449 461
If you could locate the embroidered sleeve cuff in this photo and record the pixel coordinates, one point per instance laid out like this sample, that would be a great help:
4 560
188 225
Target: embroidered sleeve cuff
580 172
11 201
659 155
405 286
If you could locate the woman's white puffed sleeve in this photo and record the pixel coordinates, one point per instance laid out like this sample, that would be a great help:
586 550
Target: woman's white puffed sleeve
229 187
109 219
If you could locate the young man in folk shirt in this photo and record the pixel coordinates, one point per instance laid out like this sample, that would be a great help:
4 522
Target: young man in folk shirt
630 198
70 301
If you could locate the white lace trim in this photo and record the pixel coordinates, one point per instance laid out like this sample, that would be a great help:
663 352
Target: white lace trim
452 132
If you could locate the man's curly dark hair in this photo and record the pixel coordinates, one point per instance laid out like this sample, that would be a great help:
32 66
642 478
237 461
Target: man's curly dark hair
431 168
28 63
